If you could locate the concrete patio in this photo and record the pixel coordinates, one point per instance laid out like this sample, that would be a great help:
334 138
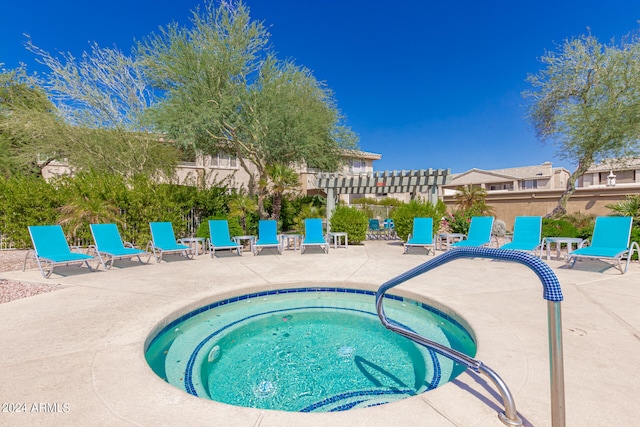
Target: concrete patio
74 357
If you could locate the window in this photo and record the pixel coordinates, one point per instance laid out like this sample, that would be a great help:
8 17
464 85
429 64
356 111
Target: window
224 160
530 184
503 186
500 186
622 177
357 165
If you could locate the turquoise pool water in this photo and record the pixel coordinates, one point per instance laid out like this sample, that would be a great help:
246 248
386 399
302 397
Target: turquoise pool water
306 350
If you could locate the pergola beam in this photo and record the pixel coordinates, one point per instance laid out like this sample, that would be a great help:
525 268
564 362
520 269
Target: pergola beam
387 182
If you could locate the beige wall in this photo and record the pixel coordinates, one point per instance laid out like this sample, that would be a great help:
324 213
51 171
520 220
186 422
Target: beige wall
591 201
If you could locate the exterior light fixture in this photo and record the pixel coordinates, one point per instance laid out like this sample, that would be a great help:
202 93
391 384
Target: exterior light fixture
611 180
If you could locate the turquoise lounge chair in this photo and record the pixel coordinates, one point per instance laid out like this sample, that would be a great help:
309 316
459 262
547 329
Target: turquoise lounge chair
163 241
374 229
610 241
422 235
50 249
313 235
219 237
267 236
479 233
109 245
527 235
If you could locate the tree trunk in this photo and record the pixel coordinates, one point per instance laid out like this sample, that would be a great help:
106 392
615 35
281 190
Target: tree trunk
277 205
561 208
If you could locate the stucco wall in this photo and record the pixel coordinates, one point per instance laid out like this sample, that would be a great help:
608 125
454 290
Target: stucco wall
591 201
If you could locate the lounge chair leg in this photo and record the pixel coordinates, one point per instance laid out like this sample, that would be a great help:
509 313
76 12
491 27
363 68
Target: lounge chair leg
45 269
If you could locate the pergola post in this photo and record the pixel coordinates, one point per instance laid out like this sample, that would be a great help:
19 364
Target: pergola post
331 205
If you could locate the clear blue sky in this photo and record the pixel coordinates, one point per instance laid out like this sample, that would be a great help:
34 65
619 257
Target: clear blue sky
426 84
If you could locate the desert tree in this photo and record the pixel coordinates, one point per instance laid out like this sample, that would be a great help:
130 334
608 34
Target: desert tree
29 126
102 98
586 101
225 91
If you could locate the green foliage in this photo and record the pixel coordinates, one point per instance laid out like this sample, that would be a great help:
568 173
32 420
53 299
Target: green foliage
473 198
306 207
102 99
628 207
25 112
308 211
282 179
90 197
571 225
635 237
244 208
460 220
248 102
404 214
351 221
586 100
24 201
552 227
288 213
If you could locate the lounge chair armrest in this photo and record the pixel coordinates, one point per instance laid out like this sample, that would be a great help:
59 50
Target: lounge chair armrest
30 252
585 242
128 245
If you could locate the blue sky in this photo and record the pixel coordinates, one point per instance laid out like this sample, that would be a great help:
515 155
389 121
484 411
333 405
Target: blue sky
426 84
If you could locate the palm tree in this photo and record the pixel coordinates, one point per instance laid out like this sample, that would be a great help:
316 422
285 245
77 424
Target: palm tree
628 207
241 205
473 198
282 179
85 210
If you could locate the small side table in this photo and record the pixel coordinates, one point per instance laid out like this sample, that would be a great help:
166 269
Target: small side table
337 240
569 241
240 239
286 241
449 238
194 242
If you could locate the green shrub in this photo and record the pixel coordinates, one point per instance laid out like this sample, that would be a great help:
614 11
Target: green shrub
404 214
314 209
26 201
460 220
635 237
558 228
352 221
89 197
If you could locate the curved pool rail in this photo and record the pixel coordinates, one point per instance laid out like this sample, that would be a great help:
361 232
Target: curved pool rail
553 295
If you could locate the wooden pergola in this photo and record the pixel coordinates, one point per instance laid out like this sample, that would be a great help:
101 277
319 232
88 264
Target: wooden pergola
382 182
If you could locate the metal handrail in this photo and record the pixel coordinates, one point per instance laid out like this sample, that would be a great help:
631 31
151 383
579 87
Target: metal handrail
552 293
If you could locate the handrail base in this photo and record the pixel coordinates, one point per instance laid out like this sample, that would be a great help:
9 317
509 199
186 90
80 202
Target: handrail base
508 421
